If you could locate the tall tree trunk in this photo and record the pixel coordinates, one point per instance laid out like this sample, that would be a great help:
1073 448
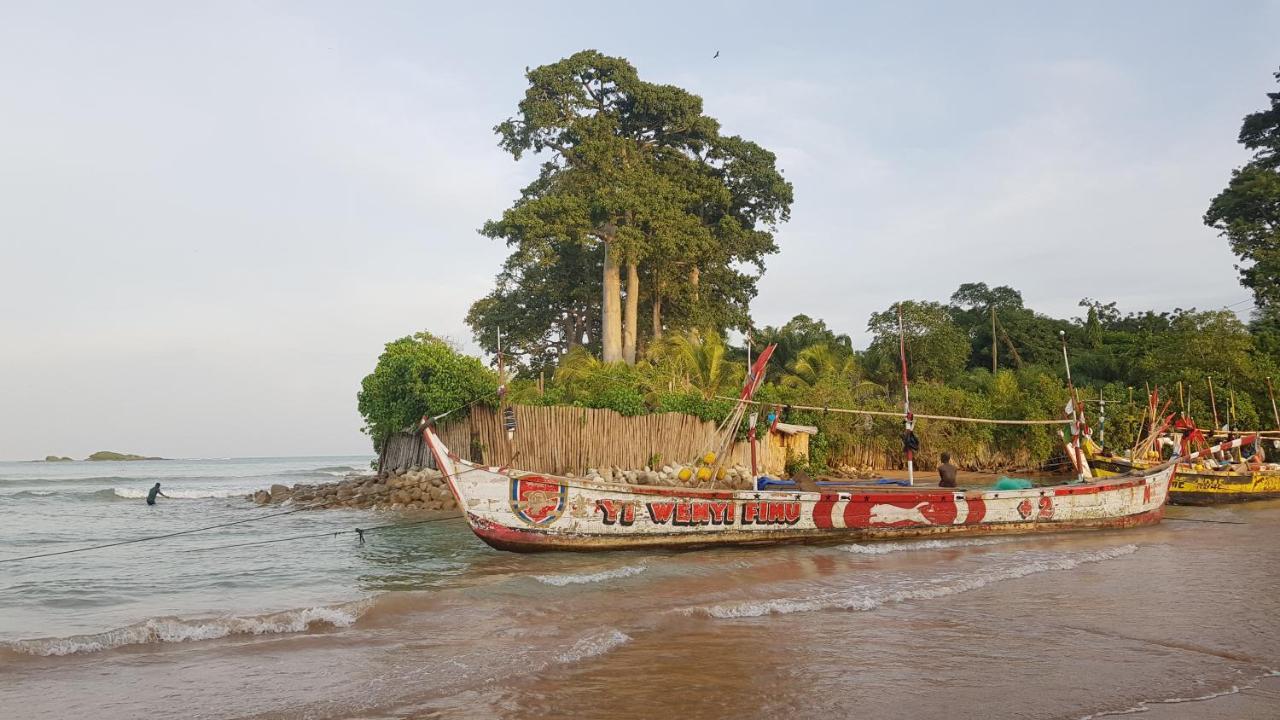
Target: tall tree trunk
575 331
657 316
611 308
694 275
631 317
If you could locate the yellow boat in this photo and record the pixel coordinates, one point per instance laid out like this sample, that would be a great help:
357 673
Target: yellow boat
1198 482
1205 487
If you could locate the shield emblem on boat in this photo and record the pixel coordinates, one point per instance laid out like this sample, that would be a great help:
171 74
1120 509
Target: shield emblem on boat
536 500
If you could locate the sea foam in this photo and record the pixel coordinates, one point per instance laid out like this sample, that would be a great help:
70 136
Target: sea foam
1145 705
139 493
586 578
167 629
1015 565
594 645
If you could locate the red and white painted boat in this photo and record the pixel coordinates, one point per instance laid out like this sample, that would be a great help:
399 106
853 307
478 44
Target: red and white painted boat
522 511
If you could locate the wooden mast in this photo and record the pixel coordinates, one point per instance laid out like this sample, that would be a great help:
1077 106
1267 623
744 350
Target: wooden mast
1213 402
908 420
1271 394
1075 404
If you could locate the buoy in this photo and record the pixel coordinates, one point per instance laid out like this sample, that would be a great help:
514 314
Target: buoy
709 458
704 473
684 474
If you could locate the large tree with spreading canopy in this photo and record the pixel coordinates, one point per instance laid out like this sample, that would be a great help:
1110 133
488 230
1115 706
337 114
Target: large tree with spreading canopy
634 180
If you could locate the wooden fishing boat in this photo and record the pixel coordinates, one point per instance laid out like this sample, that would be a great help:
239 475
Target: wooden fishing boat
1199 481
1192 487
523 511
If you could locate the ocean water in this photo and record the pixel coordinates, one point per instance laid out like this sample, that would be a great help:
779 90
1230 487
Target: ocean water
1179 620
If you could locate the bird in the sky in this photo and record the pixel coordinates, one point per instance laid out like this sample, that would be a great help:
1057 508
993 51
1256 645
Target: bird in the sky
713 57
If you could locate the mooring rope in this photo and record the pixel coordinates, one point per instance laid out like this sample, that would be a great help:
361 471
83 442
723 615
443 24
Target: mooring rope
918 416
313 506
358 531
161 537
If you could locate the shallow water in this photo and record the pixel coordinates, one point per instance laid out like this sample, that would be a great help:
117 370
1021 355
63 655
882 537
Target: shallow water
427 621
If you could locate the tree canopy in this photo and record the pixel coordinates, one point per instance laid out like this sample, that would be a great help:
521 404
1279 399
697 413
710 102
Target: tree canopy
635 178
1247 211
416 376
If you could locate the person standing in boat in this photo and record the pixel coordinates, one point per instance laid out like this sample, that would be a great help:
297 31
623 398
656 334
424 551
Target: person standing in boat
155 490
947 472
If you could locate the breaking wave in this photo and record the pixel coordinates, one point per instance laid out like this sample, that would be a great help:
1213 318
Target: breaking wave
332 471
583 579
1020 564
139 493
892 547
122 493
164 630
593 645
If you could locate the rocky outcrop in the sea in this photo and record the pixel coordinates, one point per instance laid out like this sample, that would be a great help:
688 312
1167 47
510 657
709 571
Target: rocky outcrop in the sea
110 455
413 490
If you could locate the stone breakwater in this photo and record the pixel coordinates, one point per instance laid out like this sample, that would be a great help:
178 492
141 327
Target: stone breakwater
423 489
426 490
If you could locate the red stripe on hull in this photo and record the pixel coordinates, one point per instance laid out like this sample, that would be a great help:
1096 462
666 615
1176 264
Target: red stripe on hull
516 540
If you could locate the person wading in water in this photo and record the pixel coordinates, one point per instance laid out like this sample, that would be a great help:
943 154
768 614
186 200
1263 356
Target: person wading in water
155 490
946 472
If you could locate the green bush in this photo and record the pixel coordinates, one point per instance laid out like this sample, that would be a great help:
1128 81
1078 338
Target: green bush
418 376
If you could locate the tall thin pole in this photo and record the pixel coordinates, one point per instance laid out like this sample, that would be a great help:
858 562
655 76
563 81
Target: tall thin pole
1182 401
1102 419
1075 404
994 349
1213 402
1271 394
906 396
501 373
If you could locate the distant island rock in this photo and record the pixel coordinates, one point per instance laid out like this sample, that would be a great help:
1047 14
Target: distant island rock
108 455
55 458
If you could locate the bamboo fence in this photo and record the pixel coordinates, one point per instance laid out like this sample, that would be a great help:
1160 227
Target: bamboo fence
570 440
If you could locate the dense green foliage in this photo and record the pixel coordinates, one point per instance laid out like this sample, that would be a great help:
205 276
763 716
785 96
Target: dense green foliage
417 376
634 178
1116 357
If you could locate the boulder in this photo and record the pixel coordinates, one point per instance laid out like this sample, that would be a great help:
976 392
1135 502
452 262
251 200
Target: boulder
280 492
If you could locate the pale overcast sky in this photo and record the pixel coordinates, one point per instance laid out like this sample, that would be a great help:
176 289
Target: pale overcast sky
212 216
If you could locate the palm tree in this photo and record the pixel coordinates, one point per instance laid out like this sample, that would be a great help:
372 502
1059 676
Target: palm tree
824 361
703 358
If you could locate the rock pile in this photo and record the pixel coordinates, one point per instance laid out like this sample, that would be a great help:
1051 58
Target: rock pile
413 490
736 477
426 489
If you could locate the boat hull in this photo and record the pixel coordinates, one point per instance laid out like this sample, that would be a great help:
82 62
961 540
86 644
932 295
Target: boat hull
518 511
1191 488
520 540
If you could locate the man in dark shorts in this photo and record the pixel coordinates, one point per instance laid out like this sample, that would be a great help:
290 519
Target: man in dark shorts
946 472
155 490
